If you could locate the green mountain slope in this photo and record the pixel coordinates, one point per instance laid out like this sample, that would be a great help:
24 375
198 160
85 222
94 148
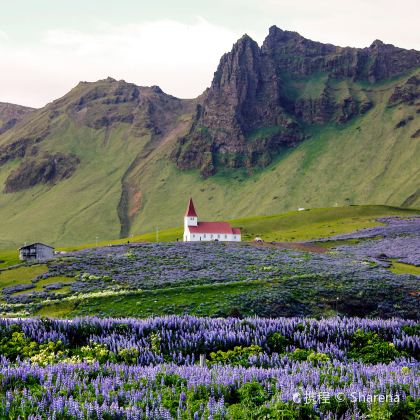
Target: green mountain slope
85 205
99 162
366 161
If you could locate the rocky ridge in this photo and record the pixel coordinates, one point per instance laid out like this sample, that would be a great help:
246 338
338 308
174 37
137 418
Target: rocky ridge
261 98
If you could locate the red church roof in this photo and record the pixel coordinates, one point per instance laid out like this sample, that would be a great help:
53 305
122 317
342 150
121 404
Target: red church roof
214 227
190 210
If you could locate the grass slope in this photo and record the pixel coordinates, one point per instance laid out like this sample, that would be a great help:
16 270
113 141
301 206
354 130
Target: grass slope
82 207
286 227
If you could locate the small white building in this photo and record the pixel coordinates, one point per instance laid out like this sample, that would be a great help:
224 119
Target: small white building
36 251
195 231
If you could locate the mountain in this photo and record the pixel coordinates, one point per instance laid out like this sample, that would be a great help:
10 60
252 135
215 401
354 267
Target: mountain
11 114
293 123
261 99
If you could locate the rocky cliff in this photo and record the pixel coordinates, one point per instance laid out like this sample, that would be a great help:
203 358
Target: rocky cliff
261 99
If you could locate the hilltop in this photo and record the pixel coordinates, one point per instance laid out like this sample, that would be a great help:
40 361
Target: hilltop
293 123
11 114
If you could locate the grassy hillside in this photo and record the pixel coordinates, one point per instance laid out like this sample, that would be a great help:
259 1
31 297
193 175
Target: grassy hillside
82 207
285 227
366 161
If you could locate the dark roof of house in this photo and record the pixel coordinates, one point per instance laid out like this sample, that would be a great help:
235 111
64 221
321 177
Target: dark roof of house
35 243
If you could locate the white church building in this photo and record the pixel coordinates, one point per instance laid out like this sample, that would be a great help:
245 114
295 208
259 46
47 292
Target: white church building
195 231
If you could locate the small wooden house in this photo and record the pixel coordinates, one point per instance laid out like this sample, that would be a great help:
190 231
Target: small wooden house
36 251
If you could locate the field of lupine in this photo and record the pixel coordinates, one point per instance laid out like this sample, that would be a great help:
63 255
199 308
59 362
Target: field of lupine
255 362
398 238
217 279
284 368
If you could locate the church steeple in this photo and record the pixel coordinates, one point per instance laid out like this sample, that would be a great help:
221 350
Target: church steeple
190 209
190 218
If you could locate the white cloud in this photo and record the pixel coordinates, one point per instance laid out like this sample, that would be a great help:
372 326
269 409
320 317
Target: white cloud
182 58
178 57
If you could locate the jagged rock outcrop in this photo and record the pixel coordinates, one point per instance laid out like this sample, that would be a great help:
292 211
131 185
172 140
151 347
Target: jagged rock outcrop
241 121
22 146
416 134
298 56
407 93
48 168
404 121
260 98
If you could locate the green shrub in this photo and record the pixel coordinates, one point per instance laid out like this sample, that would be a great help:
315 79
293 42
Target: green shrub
128 356
299 355
155 342
318 358
95 352
370 348
302 355
252 394
13 344
411 329
238 356
50 353
277 343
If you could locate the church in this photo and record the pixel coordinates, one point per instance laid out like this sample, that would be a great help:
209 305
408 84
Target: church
195 231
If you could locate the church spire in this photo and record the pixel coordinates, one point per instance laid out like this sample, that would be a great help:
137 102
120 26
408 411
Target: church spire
190 209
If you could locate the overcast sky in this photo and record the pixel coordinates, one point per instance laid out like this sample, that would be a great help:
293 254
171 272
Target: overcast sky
48 46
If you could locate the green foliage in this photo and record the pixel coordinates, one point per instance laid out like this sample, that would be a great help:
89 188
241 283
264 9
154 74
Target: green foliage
13 344
155 342
128 356
95 352
402 268
50 353
370 348
277 343
238 356
411 329
315 358
405 409
299 355
252 394
318 358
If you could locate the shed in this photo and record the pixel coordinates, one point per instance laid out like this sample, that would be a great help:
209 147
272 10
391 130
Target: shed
36 251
